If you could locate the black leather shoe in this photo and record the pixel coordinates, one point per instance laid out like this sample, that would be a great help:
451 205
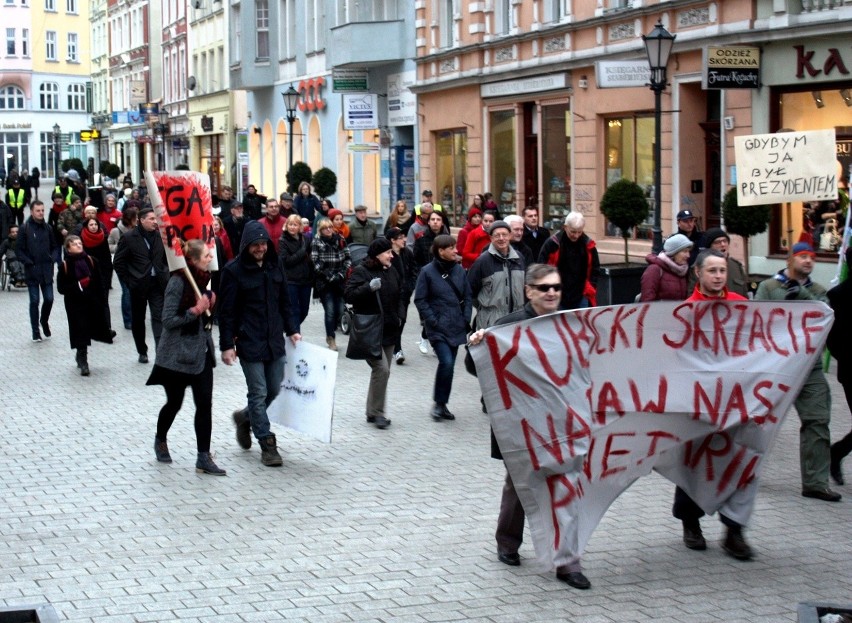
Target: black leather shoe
826 495
143 358
161 451
735 545
243 425
371 419
513 560
693 537
446 413
381 422
436 413
834 468
574 578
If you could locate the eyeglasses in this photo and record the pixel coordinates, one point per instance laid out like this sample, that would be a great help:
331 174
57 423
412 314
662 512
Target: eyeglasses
545 287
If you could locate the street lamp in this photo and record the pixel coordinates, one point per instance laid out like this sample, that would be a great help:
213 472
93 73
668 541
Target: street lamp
658 45
164 129
291 97
99 123
56 136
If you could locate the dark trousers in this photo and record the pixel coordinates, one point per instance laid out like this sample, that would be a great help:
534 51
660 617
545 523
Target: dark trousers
843 447
18 215
300 303
46 290
688 511
510 521
444 374
202 395
147 295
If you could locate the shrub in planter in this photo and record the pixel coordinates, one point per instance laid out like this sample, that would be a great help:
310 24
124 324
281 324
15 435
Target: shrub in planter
745 221
625 206
325 182
298 173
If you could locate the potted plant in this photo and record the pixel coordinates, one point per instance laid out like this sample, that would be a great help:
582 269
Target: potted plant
745 221
325 182
298 173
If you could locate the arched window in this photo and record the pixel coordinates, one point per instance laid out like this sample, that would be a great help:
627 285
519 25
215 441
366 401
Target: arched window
11 98
77 97
49 96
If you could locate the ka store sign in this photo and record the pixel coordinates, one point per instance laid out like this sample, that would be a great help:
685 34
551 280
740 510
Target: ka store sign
360 111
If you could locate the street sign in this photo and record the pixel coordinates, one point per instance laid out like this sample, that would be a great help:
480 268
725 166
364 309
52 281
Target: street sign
349 81
89 135
363 148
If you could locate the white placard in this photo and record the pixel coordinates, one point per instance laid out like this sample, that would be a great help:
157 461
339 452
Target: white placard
360 111
786 166
622 74
306 401
402 103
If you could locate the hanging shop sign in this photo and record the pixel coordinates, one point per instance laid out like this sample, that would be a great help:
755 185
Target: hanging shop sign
732 67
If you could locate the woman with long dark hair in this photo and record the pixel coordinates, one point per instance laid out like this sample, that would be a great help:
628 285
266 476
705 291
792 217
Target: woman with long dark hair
186 355
399 217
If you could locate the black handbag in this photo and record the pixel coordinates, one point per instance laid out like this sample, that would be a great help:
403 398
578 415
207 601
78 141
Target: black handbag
365 335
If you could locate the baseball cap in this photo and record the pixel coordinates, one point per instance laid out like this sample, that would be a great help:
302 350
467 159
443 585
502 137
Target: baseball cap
685 214
427 193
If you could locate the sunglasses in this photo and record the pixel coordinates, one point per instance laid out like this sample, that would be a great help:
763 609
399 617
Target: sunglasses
545 287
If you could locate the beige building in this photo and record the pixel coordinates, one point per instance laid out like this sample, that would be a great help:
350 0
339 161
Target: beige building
533 102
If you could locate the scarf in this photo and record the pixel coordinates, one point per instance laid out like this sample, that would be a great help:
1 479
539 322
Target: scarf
82 271
402 219
343 231
676 269
59 208
202 279
92 240
444 266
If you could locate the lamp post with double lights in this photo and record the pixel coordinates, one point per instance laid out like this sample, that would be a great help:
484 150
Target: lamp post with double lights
57 134
658 45
291 98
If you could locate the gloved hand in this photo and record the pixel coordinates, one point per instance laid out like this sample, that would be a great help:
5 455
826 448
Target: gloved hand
201 306
793 289
375 284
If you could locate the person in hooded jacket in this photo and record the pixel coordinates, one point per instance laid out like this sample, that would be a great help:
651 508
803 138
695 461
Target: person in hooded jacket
665 278
254 315
474 219
374 280
444 301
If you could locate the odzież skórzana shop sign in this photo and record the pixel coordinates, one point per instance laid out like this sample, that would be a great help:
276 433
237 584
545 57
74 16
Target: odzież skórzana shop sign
734 67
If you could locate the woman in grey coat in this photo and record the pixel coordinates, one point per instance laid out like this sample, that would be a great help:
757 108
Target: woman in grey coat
185 355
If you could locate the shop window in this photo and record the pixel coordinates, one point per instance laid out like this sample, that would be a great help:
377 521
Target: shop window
792 222
556 163
451 191
504 185
629 154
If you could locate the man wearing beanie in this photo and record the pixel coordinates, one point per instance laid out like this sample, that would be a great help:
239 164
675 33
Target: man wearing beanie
371 282
717 239
497 278
813 404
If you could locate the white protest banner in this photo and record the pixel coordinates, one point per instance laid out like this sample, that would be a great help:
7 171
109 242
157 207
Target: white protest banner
183 206
583 403
786 166
306 400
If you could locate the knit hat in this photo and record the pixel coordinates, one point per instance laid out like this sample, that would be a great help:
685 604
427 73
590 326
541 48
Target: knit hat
499 225
333 213
712 235
803 248
473 212
378 246
676 243
393 233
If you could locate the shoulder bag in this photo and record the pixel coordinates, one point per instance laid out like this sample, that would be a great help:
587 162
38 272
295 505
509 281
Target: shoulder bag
365 335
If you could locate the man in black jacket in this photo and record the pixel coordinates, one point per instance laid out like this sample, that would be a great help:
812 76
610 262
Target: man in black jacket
140 262
38 250
254 314
534 235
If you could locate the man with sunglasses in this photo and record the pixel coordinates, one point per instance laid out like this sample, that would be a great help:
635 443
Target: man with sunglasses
543 288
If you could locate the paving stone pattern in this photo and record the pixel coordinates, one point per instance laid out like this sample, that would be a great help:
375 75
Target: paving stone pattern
392 526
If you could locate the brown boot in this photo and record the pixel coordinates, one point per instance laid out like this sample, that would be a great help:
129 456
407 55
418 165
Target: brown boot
331 343
269 452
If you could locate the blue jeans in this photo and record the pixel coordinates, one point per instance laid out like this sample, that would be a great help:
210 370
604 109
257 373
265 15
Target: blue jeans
125 304
46 290
332 303
300 304
263 381
444 374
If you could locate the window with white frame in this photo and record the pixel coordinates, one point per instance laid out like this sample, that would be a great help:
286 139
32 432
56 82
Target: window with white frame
446 27
50 5
77 97
10 42
286 44
71 6
262 24
310 25
72 47
554 10
181 76
236 34
614 5
50 45
11 98
10 2
502 16
49 96
25 42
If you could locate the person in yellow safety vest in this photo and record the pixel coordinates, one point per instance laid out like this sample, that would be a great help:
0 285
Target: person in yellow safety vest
17 198
426 197
65 189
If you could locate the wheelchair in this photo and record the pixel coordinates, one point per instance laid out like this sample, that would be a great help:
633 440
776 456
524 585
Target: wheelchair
5 276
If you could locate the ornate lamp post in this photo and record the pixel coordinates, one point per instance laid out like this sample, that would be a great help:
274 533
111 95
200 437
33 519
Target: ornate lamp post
163 128
291 97
99 123
658 45
56 146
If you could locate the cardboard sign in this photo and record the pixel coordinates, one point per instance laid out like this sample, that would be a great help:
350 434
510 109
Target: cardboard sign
306 400
583 403
183 205
786 166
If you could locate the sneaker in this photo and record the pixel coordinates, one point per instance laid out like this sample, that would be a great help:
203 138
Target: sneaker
36 336
269 452
423 345
399 357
